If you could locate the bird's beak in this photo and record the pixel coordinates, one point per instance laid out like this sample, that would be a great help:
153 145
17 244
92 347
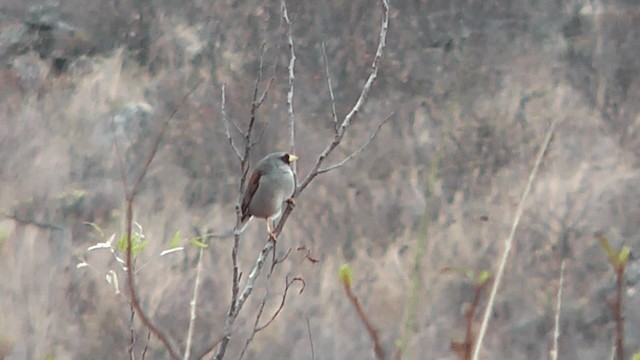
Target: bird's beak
292 158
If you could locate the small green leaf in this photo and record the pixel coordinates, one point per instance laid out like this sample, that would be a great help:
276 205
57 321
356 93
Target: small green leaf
346 275
199 244
623 256
485 275
175 242
611 254
138 246
636 356
122 243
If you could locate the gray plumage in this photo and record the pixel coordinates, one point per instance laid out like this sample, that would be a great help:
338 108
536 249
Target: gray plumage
271 183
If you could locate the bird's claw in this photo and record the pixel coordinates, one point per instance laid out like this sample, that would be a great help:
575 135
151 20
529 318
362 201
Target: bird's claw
291 201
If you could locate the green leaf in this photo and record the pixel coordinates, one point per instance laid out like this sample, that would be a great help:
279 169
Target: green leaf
122 242
138 246
485 275
611 254
636 356
199 244
346 275
623 256
175 242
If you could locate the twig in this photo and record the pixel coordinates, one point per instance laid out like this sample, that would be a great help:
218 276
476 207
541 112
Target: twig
278 261
236 301
373 333
509 240
313 354
238 297
236 305
356 108
358 151
617 310
130 195
334 113
132 331
288 284
292 62
193 304
226 123
146 345
256 328
556 327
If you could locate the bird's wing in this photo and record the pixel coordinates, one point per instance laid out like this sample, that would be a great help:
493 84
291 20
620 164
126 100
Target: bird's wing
252 186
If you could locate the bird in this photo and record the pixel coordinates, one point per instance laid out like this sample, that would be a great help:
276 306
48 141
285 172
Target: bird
271 183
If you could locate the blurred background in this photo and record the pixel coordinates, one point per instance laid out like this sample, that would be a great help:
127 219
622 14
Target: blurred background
472 85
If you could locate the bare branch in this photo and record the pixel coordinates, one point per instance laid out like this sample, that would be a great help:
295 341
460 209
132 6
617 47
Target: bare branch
334 114
313 354
156 143
256 328
288 284
509 241
132 333
146 345
239 297
130 196
357 107
374 72
193 304
373 333
556 327
358 151
292 62
225 119
237 305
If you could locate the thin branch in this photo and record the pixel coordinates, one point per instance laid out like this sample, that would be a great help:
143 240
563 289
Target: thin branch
130 196
617 311
256 328
146 345
255 323
278 261
156 143
358 151
313 354
556 327
292 62
239 297
509 240
373 333
334 113
374 72
237 305
193 304
132 289
225 119
132 332
356 108
288 284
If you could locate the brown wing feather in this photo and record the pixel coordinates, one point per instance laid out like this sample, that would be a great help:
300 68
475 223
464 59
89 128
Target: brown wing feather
252 186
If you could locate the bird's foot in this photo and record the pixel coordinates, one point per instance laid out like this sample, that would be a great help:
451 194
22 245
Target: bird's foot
291 201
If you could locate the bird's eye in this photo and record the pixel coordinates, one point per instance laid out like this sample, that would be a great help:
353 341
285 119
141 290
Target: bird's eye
286 158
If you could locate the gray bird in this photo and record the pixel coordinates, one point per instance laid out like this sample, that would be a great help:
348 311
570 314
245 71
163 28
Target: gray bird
270 185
